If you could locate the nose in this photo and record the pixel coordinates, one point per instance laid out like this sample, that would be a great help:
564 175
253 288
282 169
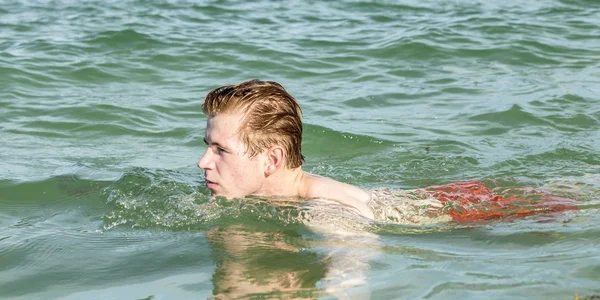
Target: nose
206 163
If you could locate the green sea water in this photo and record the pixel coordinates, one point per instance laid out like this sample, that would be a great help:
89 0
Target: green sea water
101 129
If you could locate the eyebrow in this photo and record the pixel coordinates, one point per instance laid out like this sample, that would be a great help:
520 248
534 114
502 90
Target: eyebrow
216 144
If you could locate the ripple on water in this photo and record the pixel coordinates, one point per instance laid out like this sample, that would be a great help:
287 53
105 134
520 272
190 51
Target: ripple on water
406 95
128 39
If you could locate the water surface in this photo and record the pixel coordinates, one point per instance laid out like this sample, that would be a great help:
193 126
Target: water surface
101 127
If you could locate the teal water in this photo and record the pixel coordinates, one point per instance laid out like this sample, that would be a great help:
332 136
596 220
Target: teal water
101 127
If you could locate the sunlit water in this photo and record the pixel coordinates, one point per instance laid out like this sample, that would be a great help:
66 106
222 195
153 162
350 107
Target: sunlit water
101 128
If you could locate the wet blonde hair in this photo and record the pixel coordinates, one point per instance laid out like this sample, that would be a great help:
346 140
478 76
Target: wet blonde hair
271 116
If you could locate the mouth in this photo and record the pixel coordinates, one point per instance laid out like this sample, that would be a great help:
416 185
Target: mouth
210 184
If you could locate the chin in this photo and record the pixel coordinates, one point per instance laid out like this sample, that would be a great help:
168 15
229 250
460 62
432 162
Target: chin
218 194
228 196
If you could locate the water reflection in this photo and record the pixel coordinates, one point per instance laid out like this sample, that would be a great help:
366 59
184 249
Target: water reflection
263 262
257 261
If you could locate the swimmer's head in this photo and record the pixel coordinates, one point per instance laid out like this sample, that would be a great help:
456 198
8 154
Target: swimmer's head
270 116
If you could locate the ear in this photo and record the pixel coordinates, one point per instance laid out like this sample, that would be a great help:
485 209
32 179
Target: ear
275 159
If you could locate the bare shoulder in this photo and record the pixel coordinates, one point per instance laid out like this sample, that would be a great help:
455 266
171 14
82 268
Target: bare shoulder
323 187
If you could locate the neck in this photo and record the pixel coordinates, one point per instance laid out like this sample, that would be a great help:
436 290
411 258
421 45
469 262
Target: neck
284 182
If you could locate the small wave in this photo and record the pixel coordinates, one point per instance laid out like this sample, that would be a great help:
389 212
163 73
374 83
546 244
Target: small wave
511 117
63 191
93 74
27 79
128 39
156 199
566 156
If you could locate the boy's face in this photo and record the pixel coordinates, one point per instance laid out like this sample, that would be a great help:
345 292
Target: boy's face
228 170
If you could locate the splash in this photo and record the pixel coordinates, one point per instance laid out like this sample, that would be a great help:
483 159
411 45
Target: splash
144 198
169 200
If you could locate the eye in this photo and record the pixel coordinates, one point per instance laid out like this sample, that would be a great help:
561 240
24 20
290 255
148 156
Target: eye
221 150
